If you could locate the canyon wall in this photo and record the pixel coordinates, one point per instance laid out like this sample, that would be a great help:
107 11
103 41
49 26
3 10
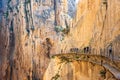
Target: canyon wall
33 30
59 69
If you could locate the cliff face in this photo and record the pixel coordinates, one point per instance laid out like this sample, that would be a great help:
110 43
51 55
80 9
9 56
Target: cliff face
95 25
63 68
33 30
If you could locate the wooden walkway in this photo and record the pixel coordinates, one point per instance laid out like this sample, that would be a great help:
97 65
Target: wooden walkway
113 70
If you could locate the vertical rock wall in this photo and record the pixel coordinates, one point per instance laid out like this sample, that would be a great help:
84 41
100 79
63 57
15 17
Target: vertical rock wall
76 70
33 30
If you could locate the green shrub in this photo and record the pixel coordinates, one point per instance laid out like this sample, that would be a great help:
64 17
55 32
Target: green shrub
55 77
58 29
53 57
103 73
61 29
65 59
77 57
66 30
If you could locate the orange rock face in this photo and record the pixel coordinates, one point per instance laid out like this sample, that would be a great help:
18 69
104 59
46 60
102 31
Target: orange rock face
76 70
31 31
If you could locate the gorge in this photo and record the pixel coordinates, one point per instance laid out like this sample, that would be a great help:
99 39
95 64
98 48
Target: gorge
59 39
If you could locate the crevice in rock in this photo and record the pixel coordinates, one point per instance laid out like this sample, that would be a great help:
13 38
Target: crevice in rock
55 12
11 72
11 47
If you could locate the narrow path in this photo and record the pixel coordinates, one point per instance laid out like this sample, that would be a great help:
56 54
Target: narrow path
114 71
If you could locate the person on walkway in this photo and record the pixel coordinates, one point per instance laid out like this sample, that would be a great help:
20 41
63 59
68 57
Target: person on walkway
110 51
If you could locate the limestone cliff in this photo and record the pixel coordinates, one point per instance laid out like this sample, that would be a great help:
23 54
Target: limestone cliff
79 67
31 31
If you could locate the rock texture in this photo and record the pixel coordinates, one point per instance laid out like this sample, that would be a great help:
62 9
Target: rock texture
61 69
33 30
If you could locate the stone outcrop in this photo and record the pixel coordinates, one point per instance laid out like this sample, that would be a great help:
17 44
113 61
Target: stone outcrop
72 68
33 30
